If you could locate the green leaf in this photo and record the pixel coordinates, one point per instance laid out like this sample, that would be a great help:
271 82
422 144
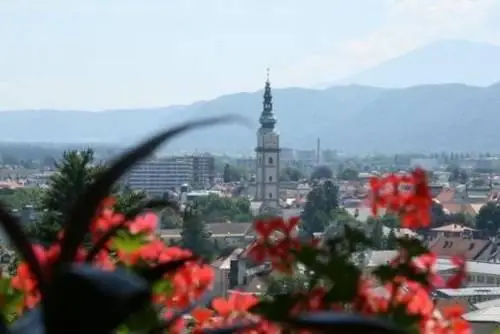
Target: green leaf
143 321
162 287
127 242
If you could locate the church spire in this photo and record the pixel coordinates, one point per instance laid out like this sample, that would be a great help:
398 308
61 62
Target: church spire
267 119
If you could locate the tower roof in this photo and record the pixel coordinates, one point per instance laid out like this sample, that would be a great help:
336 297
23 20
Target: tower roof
267 119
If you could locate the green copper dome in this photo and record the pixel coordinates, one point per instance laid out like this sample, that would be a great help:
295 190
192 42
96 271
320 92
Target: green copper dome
267 119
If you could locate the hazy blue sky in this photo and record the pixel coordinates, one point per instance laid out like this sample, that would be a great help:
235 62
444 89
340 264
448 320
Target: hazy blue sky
97 54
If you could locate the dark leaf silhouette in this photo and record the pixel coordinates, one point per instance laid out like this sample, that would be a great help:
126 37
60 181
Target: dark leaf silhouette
78 221
334 322
155 273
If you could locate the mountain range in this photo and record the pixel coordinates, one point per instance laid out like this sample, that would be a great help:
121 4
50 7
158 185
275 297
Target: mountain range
441 62
353 118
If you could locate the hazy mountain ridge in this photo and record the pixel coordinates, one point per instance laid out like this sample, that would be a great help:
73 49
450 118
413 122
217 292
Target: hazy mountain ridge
351 118
441 62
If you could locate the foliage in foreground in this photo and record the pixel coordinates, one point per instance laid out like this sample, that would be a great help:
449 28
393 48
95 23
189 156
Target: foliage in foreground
402 297
138 284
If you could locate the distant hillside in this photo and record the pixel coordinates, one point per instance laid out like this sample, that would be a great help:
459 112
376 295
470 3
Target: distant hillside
352 118
442 62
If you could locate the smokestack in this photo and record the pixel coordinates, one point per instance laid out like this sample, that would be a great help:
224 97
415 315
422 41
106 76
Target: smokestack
318 151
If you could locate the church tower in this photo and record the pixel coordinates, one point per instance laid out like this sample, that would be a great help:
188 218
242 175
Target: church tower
268 156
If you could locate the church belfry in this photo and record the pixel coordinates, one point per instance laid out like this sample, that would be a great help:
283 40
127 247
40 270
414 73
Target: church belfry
268 156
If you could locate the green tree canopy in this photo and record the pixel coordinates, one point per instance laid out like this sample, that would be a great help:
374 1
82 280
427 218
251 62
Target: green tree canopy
170 219
488 218
129 198
291 174
232 174
214 208
286 284
194 235
75 172
320 208
377 235
19 198
322 172
457 174
348 174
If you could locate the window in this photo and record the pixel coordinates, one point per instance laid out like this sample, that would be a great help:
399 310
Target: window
480 279
270 160
270 178
270 195
498 281
490 280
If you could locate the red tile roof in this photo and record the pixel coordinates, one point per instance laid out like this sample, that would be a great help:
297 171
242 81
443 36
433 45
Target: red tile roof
446 195
457 208
469 248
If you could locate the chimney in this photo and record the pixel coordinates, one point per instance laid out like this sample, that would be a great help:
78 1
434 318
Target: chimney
236 273
233 274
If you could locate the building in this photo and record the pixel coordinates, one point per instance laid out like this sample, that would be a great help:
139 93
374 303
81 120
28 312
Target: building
203 171
427 164
306 156
287 157
268 157
246 163
156 177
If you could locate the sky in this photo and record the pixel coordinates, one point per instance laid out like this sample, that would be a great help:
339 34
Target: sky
109 54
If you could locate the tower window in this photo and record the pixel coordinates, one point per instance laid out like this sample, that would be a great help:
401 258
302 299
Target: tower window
270 178
270 195
270 160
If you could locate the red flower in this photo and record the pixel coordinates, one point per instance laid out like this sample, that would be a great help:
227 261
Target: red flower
457 280
144 224
406 195
276 242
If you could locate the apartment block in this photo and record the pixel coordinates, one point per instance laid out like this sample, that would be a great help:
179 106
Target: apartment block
158 176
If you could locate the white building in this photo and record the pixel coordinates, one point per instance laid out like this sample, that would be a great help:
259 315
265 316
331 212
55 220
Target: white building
427 164
268 157
158 176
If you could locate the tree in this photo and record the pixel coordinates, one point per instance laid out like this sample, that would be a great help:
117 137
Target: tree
231 174
214 208
322 172
291 174
390 220
129 198
392 240
348 174
320 208
19 198
438 216
457 174
286 284
194 235
170 219
378 237
488 218
75 172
